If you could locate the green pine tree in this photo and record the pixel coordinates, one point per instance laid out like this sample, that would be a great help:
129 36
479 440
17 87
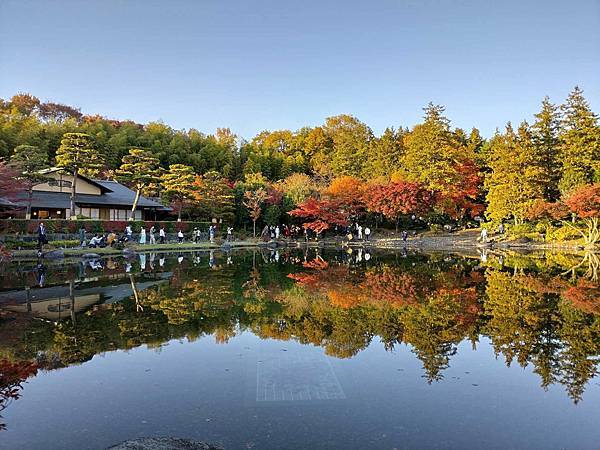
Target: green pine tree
77 154
580 143
178 185
545 132
141 170
516 177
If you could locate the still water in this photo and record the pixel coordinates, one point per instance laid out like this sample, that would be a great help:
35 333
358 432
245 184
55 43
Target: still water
294 349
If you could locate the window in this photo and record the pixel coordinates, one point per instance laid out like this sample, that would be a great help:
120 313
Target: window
60 183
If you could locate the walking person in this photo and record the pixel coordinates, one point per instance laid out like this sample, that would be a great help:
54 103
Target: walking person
360 231
404 235
211 233
143 236
229 234
152 237
484 235
367 233
277 231
161 235
180 237
41 236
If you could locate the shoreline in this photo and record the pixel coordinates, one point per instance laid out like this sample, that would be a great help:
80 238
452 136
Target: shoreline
429 242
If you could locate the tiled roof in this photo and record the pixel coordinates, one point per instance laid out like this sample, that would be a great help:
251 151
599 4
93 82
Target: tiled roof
115 195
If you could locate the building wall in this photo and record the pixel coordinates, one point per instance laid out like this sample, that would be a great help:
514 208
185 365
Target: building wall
63 182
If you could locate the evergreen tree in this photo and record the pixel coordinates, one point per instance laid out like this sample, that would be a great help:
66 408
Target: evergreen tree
432 150
178 185
545 132
385 154
580 143
516 177
77 154
214 197
141 170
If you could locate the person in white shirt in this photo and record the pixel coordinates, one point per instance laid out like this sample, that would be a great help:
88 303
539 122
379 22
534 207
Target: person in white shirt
161 235
367 233
180 237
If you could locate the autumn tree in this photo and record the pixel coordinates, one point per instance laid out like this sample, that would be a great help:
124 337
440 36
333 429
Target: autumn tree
253 200
585 203
140 169
297 187
579 141
443 161
77 154
397 198
11 186
320 215
178 185
347 192
30 161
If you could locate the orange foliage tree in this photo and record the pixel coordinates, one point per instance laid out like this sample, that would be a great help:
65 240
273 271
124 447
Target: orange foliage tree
459 198
584 202
348 192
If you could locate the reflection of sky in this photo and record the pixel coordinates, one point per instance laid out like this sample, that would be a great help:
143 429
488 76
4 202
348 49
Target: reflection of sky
206 391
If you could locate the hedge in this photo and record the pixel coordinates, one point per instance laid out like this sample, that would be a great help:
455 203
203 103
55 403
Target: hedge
24 226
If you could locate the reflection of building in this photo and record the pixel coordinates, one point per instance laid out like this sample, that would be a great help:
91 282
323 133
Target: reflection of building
94 199
55 302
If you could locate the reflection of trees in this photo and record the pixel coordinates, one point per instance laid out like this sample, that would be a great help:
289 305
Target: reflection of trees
545 321
12 377
550 322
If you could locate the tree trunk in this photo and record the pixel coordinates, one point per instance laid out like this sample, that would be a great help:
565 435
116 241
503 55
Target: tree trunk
254 228
397 223
73 191
135 202
29 201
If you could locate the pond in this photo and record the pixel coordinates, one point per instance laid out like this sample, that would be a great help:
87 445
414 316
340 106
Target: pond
302 349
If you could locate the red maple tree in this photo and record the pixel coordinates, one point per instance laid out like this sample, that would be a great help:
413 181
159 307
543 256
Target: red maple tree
403 197
320 215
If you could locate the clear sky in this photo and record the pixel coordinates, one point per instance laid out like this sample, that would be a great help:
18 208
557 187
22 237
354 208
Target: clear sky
273 64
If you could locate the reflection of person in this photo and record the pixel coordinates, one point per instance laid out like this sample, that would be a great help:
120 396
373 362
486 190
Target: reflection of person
41 275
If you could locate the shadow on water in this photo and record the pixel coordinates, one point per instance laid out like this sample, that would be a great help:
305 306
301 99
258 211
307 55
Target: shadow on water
537 311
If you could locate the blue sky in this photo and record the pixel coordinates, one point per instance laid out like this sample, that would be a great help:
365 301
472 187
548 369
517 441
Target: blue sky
274 64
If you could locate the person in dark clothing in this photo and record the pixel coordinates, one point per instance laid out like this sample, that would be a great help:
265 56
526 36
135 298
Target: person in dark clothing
404 235
41 235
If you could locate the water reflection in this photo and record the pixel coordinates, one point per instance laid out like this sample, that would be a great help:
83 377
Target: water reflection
538 311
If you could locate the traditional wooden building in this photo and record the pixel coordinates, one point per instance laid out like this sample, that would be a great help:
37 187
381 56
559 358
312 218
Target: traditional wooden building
94 199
